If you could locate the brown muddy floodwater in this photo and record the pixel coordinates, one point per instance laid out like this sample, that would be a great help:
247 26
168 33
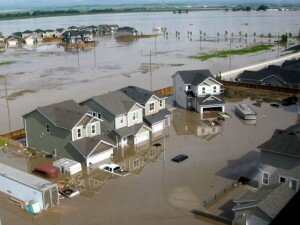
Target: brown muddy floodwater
159 191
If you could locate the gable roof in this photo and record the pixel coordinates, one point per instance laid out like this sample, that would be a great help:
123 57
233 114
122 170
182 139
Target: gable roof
194 77
157 117
64 114
284 142
88 144
215 99
116 102
270 199
138 94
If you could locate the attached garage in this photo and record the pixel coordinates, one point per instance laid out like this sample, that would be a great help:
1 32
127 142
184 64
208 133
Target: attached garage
158 127
141 137
93 159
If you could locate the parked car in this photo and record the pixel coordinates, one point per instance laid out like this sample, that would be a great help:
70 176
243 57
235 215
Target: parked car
114 169
46 170
179 158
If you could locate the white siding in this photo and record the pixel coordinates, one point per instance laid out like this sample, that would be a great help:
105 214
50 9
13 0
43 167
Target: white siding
139 118
118 121
209 88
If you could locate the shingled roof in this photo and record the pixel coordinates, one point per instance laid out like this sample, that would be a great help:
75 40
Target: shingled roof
138 94
64 114
284 142
270 199
116 102
211 100
194 77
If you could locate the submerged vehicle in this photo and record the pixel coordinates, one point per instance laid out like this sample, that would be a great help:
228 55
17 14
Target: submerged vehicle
114 169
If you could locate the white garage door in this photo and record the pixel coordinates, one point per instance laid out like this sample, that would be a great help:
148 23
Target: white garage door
142 137
157 127
99 157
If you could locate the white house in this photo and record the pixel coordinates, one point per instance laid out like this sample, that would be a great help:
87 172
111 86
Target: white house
198 90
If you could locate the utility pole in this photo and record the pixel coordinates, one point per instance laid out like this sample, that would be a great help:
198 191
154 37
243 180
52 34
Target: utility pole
77 56
155 43
278 46
7 103
95 54
230 55
150 70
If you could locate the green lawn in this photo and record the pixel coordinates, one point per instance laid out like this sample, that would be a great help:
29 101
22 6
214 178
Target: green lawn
226 53
3 63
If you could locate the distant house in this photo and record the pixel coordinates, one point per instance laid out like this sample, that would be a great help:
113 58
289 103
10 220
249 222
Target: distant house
92 29
39 32
72 28
126 31
26 33
12 42
198 90
16 35
113 27
260 207
155 113
86 36
123 118
1 40
48 34
280 158
72 37
30 40
58 32
67 130
287 75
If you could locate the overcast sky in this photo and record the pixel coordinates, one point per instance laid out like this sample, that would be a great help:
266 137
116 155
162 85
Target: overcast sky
13 4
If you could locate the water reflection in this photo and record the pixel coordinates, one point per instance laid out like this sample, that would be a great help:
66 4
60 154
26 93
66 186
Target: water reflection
189 122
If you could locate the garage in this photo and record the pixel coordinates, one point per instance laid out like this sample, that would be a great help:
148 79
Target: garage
93 159
157 127
141 137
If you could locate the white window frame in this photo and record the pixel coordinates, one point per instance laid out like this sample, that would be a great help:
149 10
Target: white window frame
215 89
93 127
280 176
203 90
135 116
290 182
262 177
94 114
136 163
150 104
160 103
122 119
99 115
48 128
79 132
188 87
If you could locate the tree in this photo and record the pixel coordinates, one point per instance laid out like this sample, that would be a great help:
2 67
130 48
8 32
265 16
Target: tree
290 35
284 38
270 35
254 34
262 8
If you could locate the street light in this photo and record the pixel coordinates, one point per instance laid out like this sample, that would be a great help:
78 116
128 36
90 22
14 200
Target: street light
7 103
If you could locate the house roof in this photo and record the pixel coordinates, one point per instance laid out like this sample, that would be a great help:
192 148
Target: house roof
270 199
116 102
284 141
132 130
157 117
126 29
138 94
211 100
194 77
283 74
86 145
64 114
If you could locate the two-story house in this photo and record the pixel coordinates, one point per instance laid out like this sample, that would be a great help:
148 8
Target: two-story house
123 117
67 130
280 158
198 90
155 113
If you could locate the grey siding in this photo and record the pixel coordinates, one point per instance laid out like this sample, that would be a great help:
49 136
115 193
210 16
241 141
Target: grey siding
39 139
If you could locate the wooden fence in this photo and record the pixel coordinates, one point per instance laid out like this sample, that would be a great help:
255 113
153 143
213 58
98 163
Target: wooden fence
166 91
261 87
16 134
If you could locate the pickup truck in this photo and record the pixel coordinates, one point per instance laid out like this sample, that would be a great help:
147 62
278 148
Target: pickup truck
114 169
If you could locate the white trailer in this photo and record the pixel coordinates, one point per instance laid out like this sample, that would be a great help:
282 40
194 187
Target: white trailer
68 166
27 188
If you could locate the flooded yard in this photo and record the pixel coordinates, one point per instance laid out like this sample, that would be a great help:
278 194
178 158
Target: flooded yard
159 191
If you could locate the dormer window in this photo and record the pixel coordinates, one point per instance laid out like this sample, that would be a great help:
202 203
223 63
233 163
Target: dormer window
160 103
215 89
47 128
99 116
94 114
151 106
189 87
203 90
93 129
135 116
79 133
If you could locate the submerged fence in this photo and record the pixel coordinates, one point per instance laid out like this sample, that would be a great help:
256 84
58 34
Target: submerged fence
166 91
16 134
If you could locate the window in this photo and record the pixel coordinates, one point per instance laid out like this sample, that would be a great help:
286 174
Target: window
215 89
151 106
293 184
268 84
160 103
282 179
122 119
152 152
203 90
79 133
99 116
135 116
47 128
136 163
93 128
265 178
94 113
189 87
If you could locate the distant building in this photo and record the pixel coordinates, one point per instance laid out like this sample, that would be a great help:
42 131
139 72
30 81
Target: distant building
126 31
280 158
287 75
260 207
198 90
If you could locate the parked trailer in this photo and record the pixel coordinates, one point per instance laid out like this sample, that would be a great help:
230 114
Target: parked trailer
245 112
27 188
